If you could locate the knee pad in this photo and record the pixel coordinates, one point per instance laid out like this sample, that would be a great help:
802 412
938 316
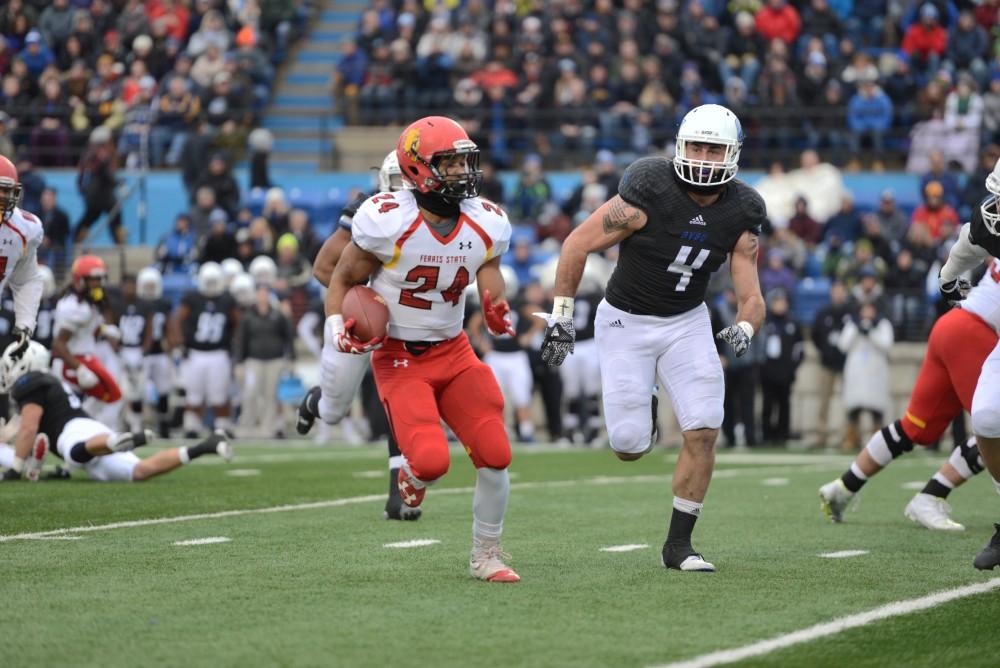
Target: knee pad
78 453
888 443
986 421
494 454
629 437
428 454
966 460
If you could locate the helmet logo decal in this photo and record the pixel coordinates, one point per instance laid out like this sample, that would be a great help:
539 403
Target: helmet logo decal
411 144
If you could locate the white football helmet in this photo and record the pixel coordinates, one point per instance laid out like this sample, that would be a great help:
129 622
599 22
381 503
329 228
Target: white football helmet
263 270
242 289
149 283
231 268
35 358
990 208
48 281
708 124
390 176
211 282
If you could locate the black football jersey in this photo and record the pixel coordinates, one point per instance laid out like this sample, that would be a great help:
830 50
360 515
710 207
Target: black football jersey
521 324
209 325
7 320
44 322
132 320
158 310
663 269
982 237
58 405
584 314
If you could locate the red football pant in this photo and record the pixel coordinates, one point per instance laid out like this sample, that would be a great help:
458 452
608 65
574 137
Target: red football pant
958 346
446 381
107 390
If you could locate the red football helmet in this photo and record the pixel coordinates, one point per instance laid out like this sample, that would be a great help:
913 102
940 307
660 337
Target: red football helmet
10 188
89 266
423 147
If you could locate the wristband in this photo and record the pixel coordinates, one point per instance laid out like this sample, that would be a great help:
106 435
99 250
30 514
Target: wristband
334 326
17 465
562 307
746 327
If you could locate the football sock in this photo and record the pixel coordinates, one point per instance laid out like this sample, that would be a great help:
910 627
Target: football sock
489 504
206 447
526 429
682 521
854 479
394 452
938 486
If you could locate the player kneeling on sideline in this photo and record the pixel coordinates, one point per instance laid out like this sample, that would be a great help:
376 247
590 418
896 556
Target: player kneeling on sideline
51 419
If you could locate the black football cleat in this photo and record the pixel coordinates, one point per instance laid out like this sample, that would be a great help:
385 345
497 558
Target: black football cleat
58 473
395 509
308 410
989 557
684 558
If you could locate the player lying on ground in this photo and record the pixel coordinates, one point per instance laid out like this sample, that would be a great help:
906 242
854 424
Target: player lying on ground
957 348
51 419
422 246
978 240
20 236
344 372
677 222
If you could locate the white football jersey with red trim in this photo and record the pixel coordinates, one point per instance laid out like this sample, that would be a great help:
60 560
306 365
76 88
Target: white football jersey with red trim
423 275
83 319
984 298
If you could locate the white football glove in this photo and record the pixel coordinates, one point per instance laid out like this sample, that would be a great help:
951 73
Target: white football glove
86 378
111 332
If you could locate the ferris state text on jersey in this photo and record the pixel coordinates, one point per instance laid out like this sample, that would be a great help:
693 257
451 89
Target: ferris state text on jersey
423 274
663 269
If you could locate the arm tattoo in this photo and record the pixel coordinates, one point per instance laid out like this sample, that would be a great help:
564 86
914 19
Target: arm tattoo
619 216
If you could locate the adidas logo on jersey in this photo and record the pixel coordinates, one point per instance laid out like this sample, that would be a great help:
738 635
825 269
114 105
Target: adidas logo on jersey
618 324
697 220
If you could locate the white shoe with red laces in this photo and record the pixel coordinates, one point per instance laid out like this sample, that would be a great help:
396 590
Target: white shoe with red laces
409 492
487 563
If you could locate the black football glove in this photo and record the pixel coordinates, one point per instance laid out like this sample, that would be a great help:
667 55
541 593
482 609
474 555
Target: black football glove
955 290
23 338
736 337
560 337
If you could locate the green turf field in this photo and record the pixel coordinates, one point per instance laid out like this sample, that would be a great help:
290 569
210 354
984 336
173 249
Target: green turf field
305 579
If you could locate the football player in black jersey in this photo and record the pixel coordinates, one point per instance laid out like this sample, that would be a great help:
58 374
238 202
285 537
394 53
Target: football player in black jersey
52 420
977 241
333 403
677 221
157 366
204 324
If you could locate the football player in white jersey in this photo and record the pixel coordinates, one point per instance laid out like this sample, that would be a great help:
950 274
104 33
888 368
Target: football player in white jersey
79 321
421 247
344 372
957 347
21 234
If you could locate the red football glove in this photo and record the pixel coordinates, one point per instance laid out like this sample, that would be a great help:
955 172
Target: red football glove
498 320
344 339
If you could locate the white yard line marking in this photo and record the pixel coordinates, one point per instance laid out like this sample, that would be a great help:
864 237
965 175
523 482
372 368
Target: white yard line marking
354 500
916 484
842 554
775 482
836 626
243 473
57 538
417 542
204 541
370 474
625 548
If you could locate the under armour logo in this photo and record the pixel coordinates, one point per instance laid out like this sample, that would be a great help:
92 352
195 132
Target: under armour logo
462 245
7 241
401 363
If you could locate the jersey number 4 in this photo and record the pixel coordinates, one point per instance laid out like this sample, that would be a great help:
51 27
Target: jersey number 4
681 266
427 276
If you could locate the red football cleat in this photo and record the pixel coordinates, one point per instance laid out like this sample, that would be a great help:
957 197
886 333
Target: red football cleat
411 495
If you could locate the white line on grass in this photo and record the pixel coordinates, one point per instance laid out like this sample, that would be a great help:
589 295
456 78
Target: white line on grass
243 473
836 626
354 500
625 548
57 538
843 554
416 542
370 474
774 482
212 540
916 484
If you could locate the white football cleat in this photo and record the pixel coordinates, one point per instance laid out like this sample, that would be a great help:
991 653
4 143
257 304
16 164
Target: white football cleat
684 558
932 512
33 465
487 563
223 447
834 499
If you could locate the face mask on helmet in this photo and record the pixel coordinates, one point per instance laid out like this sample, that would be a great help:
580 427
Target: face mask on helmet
457 172
10 196
390 176
708 146
990 208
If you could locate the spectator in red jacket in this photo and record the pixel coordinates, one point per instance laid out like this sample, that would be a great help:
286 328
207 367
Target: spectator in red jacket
925 40
940 219
779 20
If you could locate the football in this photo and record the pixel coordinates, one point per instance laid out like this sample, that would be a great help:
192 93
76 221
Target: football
369 310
